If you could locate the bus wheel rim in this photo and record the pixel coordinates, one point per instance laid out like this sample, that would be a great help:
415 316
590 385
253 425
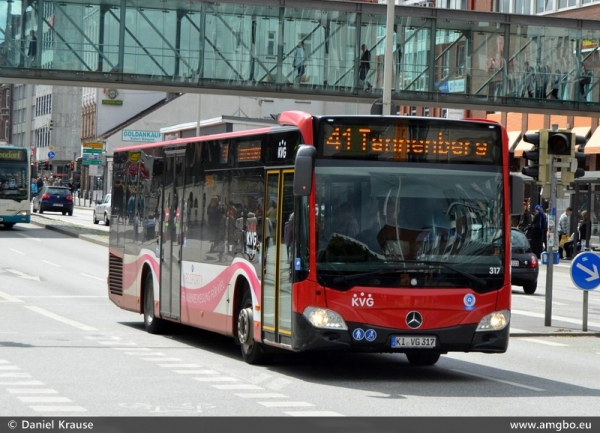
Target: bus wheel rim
244 321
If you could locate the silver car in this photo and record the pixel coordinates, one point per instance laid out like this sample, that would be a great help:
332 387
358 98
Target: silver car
102 210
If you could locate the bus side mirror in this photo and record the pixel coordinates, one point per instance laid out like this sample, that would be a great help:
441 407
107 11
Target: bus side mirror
516 194
303 170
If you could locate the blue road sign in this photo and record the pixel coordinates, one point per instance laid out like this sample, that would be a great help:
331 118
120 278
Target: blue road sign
51 155
584 271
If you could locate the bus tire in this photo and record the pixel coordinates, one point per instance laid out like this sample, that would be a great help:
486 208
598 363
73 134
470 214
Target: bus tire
423 359
253 352
153 324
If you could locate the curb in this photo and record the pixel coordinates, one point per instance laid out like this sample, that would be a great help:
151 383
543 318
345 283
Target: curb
69 232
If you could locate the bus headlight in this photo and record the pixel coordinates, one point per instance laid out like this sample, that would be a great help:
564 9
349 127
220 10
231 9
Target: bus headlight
22 213
324 318
495 321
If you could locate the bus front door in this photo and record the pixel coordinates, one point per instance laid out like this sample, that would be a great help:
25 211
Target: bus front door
276 258
171 235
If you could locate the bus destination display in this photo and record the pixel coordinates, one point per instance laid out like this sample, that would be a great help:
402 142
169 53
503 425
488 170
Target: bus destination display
13 155
447 142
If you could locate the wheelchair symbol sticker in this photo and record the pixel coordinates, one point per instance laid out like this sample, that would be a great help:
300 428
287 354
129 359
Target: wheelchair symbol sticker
370 335
469 301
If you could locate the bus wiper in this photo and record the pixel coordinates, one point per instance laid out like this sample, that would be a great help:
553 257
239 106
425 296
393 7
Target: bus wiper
471 277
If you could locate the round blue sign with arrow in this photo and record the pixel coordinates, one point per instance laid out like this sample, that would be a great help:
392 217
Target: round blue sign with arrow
584 271
51 155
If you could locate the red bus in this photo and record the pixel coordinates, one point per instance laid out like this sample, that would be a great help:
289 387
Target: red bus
359 233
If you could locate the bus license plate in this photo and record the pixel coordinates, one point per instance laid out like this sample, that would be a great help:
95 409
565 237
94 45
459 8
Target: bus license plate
425 342
514 263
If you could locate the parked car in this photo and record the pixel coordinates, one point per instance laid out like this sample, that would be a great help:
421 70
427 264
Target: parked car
102 210
524 263
53 199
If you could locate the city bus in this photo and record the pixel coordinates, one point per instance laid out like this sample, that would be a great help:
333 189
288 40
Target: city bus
15 170
380 234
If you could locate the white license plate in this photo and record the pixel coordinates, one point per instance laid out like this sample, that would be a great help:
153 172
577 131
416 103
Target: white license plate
407 341
57 205
514 263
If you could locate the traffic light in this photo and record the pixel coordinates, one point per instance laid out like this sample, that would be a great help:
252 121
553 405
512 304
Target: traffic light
572 172
46 165
560 143
72 165
50 125
537 158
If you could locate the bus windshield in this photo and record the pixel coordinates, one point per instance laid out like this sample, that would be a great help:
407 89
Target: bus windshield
14 184
396 225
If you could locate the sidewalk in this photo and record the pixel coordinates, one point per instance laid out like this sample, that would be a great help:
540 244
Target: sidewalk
523 323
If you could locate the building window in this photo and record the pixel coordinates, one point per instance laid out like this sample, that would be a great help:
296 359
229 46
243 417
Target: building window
426 112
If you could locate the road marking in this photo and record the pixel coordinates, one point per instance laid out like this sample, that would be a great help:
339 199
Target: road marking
23 383
548 343
101 337
259 394
31 391
216 379
13 375
240 386
531 298
314 413
132 348
285 403
9 367
554 317
52 409
519 330
61 319
4 361
28 237
196 372
51 264
23 275
95 278
500 381
17 251
45 400
179 365
161 359
141 352
118 343
9 298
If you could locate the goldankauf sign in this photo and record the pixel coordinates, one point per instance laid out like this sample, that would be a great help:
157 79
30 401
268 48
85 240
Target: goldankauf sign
144 136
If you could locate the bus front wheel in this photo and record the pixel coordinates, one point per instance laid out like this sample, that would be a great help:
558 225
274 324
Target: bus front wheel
152 324
252 351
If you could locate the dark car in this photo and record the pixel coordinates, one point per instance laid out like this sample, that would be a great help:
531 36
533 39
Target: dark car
54 199
524 264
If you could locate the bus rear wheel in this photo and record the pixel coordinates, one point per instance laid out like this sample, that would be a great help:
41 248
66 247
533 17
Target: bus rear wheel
423 359
153 324
252 351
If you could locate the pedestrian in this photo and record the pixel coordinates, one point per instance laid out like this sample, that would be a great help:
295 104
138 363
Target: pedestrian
525 219
32 50
539 229
71 186
528 80
299 60
40 183
563 229
556 82
364 67
34 188
214 213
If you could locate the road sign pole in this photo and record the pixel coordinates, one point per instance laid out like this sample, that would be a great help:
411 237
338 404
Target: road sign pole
550 239
585 311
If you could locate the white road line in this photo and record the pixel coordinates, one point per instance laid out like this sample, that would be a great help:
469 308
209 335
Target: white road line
548 343
96 337
141 353
4 361
286 403
9 367
61 319
27 237
91 276
17 251
554 317
260 394
179 365
31 391
216 379
118 343
45 400
524 331
51 264
161 359
9 298
196 372
531 298
22 383
15 375
241 386
52 409
314 413
132 348
500 381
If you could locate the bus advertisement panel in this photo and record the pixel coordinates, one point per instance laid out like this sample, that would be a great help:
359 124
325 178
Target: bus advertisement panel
358 233
14 186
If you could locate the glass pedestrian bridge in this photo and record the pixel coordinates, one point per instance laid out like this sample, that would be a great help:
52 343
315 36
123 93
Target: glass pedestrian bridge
442 58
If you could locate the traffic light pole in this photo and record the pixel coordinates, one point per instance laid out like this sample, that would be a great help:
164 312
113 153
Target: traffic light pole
550 242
